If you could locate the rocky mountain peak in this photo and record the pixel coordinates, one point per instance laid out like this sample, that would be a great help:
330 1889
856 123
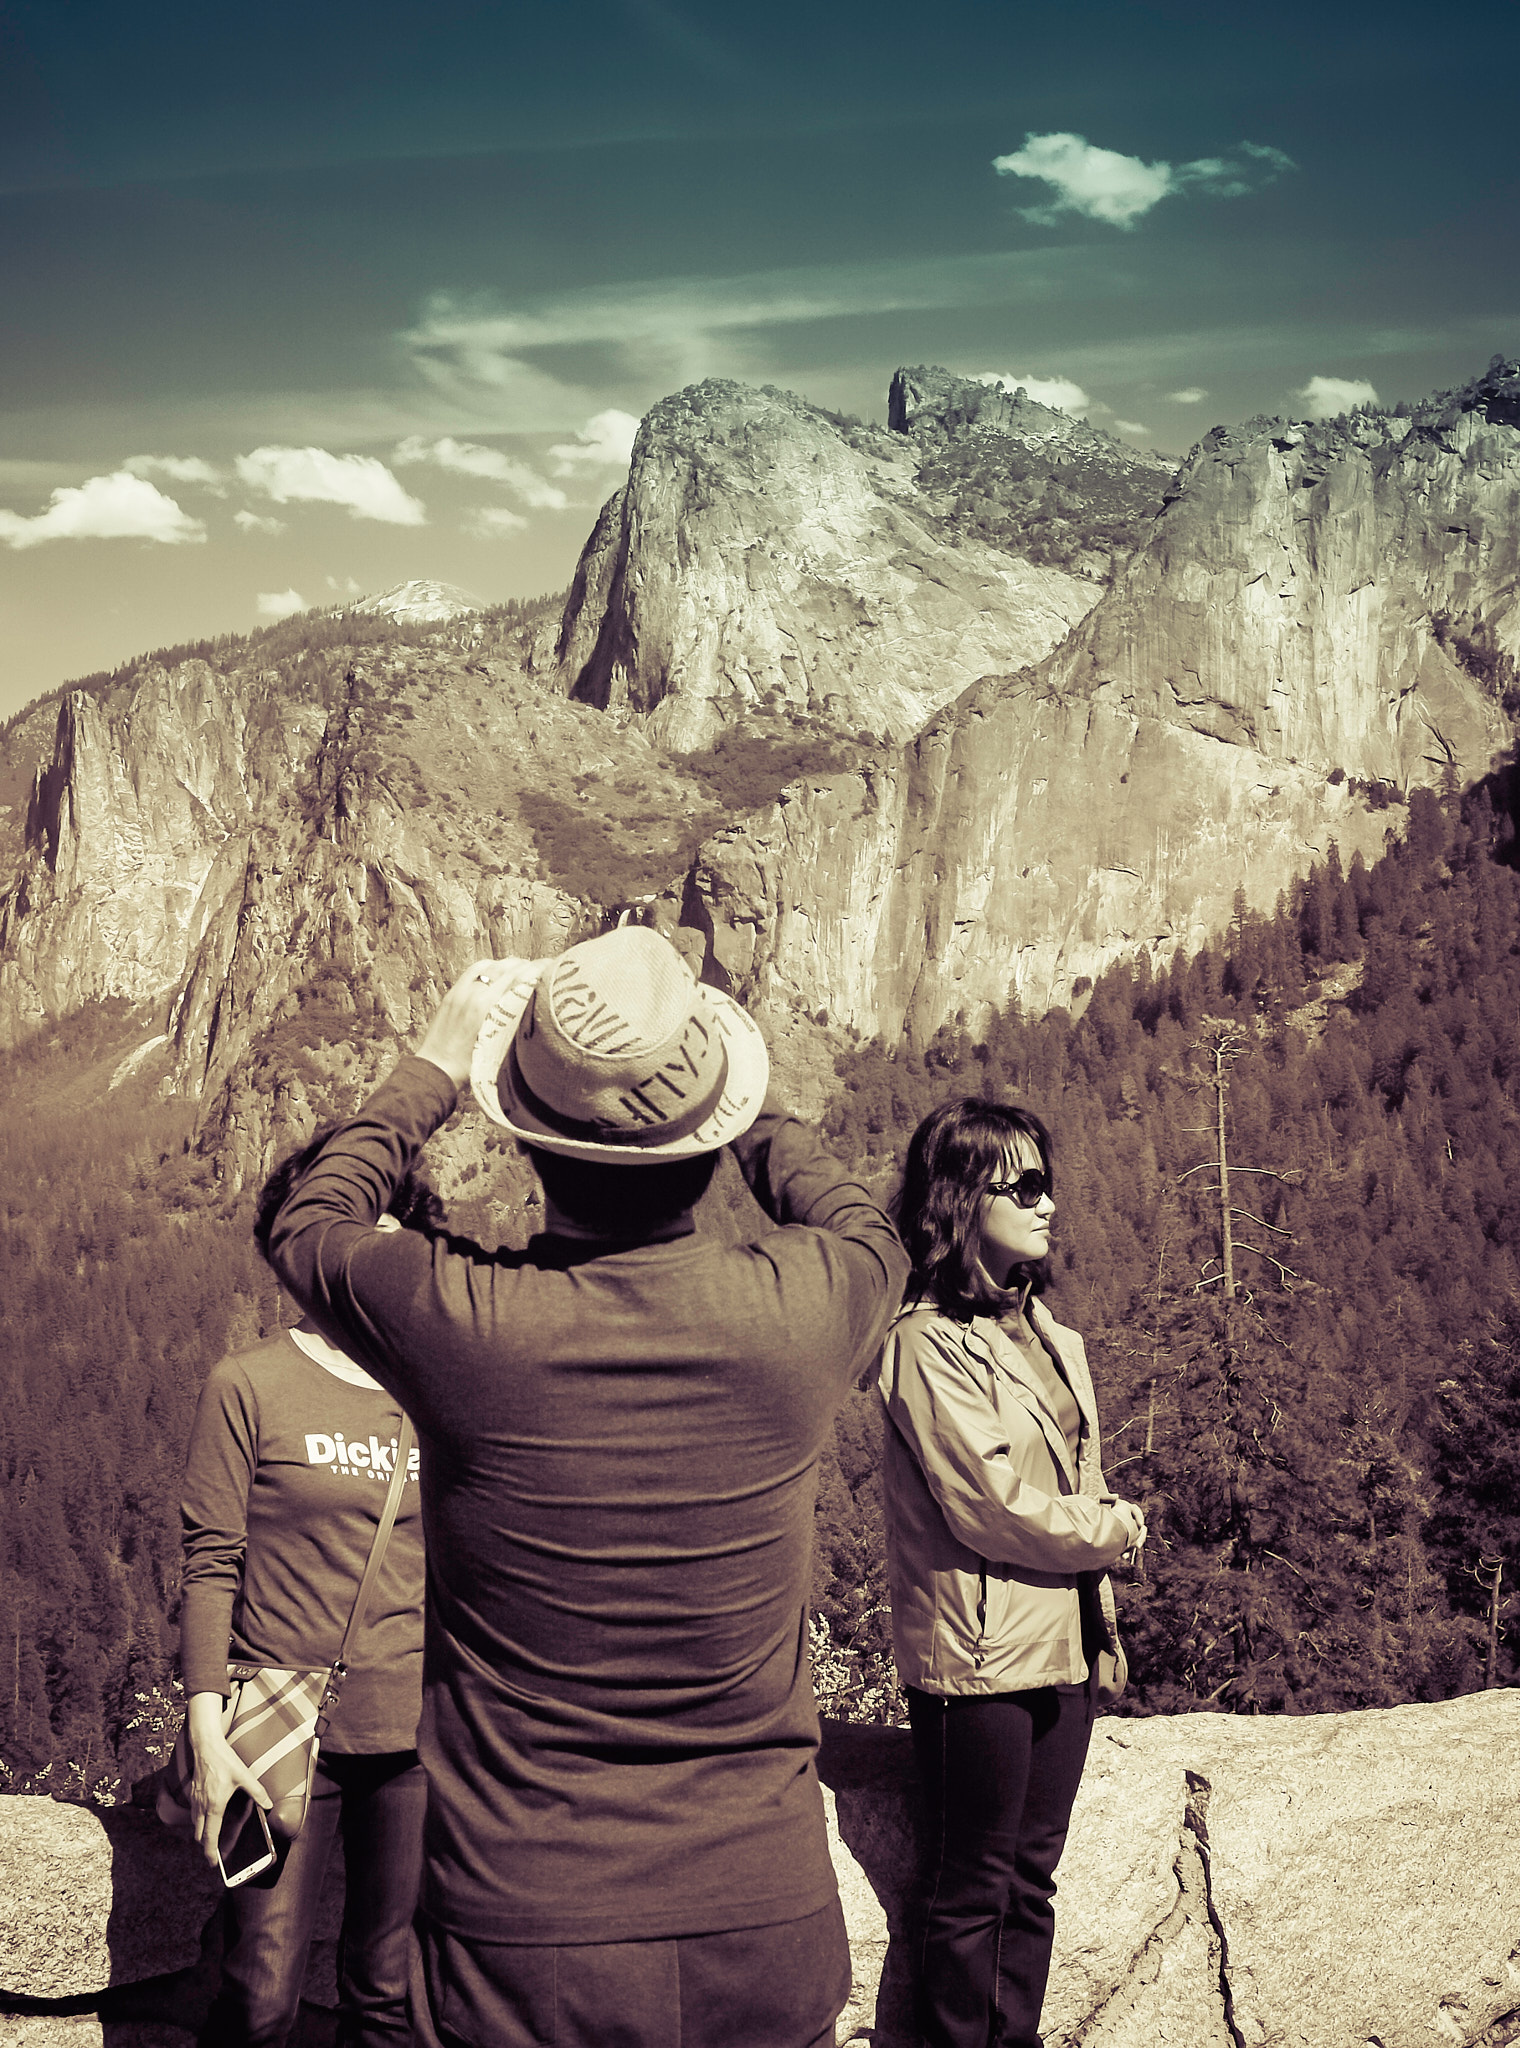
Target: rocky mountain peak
418 602
937 405
1495 393
767 558
1038 482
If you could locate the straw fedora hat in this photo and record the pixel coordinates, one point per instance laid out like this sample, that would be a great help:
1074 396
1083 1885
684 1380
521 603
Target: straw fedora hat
613 1052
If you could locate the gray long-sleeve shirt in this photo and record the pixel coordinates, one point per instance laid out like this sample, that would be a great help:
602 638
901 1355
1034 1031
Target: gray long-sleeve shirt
619 1455
284 1487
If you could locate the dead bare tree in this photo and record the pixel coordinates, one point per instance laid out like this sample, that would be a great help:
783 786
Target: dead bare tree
1489 1573
1218 1045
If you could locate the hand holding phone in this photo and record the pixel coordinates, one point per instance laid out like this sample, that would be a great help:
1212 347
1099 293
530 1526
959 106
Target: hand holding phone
218 1778
244 1845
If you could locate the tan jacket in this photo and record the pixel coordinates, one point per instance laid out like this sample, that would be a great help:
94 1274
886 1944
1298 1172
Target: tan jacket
996 1544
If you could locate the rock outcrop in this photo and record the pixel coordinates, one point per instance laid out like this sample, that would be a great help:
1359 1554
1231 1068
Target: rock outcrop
1026 840
764 555
1235 1882
1306 587
1041 483
1228 1883
202 844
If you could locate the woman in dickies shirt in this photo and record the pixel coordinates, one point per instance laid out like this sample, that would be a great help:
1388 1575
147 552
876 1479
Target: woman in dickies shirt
289 1465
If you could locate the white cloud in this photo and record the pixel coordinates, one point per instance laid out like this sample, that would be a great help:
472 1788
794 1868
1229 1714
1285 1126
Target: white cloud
1327 396
1194 394
493 522
1131 427
115 507
182 469
1098 182
347 588
605 442
280 604
1059 392
255 522
312 475
469 458
1105 185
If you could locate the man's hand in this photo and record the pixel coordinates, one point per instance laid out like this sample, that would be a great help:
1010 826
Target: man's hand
450 1039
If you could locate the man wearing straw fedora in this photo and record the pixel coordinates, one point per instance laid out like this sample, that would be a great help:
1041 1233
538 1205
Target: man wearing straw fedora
620 1428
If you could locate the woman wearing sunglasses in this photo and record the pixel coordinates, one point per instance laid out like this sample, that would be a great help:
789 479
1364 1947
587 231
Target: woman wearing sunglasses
999 1531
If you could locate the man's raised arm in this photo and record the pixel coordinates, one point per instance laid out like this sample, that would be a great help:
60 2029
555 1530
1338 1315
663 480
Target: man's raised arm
796 1181
328 1221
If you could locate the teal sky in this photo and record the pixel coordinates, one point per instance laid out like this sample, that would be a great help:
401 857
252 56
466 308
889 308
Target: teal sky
301 302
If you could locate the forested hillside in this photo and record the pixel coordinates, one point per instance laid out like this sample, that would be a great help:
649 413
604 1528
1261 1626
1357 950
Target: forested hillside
1327 1463
1331 1464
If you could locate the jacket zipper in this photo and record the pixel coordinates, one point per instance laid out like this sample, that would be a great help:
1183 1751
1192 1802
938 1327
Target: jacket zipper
979 1654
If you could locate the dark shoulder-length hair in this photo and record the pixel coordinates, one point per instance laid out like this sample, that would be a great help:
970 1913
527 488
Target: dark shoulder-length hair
954 1154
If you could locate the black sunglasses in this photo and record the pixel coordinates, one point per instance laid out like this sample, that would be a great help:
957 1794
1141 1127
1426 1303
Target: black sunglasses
1031 1187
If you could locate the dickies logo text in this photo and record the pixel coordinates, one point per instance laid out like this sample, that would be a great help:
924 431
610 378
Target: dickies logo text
355 1460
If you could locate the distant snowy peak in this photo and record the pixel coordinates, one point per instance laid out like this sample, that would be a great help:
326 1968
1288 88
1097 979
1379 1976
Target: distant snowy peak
419 603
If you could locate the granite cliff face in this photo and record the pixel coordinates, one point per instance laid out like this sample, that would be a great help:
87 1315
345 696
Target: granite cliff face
764 556
924 792
1023 842
1307 590
203 842
1318 613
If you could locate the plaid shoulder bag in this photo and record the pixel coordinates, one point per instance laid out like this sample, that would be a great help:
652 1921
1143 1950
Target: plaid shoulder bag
274 1719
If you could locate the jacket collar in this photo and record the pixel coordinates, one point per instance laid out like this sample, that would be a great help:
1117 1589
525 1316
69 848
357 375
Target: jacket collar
1009 1359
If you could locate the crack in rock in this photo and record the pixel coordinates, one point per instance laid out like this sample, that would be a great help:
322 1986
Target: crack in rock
1199 1793
1174 1990
1096 2030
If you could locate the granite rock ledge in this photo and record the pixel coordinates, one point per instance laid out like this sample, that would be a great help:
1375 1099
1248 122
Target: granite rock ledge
1330 1881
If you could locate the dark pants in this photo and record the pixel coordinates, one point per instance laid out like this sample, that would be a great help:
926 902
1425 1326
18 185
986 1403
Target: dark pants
758 1987
377 1803
999 1776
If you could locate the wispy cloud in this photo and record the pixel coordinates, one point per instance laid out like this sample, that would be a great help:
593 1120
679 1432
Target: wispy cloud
280 604
1193 394
255 522
470 458
116 507
493 522
1104 185
362 483
605 442
655 336
1060 392
180 469
1326 396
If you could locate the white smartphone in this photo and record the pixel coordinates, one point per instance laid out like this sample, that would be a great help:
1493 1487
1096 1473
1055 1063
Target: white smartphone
244 1847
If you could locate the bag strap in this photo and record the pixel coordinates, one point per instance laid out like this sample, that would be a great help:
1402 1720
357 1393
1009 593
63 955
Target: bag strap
404 1442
